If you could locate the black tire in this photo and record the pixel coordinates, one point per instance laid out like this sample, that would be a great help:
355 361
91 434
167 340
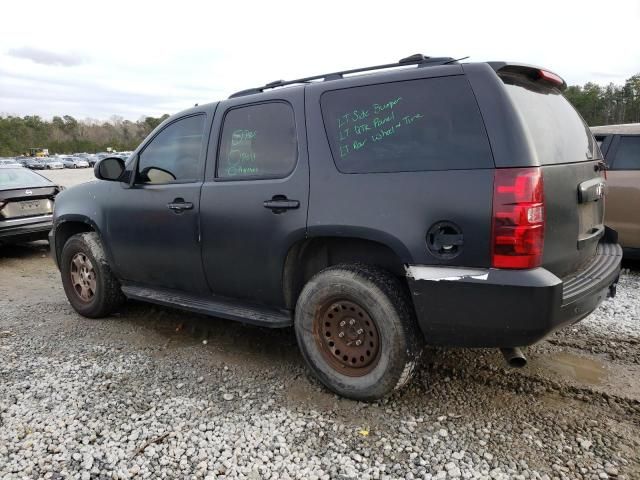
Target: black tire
107 296
383 298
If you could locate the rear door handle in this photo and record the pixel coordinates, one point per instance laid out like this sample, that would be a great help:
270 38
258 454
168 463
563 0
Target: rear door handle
179 205
280 204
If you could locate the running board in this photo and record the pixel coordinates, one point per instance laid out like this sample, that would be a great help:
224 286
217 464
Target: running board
212 306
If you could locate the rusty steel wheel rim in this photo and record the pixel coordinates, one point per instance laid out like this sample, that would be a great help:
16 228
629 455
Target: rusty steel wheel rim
347 337
83 277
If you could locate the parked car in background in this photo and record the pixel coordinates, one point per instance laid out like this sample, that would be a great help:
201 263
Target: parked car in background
123 156
620 145
88 157
26 205
34 164
91 159
51 163
9 162
73 162
453 204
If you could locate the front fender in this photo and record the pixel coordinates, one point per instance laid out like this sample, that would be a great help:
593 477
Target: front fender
80 209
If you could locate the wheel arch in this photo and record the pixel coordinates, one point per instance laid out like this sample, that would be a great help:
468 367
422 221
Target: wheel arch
307 257
69 225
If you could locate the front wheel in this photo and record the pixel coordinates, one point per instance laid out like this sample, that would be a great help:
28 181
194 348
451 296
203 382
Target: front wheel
357 331
88 282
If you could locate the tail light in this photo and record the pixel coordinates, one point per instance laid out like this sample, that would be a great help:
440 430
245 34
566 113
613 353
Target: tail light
518 218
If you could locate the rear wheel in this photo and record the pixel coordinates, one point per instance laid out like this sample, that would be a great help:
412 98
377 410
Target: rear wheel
357 331
91 287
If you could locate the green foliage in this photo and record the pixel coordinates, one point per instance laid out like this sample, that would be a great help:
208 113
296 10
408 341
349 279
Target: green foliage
67 135
607 105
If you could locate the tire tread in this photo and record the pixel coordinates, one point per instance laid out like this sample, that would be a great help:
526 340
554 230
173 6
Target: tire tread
110 293
392 290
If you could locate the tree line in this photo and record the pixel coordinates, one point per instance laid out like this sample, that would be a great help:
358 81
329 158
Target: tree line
606 105
68 135
598 105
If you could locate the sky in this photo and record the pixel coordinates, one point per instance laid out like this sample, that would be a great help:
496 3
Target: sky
135 58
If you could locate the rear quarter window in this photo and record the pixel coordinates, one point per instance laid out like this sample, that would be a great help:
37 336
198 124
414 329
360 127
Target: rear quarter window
427 124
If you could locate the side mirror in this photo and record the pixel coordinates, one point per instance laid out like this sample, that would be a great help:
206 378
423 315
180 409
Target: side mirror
110 168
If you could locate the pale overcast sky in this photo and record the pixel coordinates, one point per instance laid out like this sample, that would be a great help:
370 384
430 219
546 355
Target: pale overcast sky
133 58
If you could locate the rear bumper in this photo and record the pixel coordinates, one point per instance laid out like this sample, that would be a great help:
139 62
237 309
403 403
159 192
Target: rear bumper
507 308
23 230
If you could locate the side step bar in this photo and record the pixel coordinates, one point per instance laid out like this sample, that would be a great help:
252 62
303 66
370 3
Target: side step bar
212 306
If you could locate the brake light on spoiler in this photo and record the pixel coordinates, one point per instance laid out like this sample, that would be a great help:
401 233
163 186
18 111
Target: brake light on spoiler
518 218
550 77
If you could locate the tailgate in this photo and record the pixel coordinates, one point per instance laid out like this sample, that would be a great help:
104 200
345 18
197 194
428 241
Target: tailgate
571 163
574 215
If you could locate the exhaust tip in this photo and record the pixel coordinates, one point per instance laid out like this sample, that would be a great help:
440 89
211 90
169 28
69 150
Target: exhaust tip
514 357
518 362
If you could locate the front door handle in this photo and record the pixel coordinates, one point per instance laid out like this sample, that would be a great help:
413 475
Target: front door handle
280 204
179 205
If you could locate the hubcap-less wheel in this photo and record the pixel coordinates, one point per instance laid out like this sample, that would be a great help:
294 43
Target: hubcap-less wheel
83 277
347 337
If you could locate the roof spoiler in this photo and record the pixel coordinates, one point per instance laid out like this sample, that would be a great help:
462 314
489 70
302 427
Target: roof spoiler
530 71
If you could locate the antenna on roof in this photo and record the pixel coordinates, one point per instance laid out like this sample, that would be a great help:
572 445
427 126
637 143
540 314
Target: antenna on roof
456 60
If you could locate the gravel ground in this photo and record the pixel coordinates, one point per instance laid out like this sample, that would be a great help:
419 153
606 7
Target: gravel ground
157 393
69 176
622 316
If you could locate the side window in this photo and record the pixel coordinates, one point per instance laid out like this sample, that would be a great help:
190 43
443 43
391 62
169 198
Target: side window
627 154
428 124
258 141
174 154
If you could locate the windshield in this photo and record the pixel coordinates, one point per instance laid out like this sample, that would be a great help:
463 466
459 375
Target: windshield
557 131
11 178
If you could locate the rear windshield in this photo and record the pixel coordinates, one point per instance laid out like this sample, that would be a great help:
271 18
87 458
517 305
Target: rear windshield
11 178
558 132
428 124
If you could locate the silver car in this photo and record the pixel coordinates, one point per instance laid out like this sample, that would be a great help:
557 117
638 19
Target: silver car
9 162
73 162
52 163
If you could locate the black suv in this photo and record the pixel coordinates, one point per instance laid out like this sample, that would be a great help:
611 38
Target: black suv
457 204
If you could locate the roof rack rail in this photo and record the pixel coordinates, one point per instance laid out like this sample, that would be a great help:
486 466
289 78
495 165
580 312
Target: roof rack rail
418 59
